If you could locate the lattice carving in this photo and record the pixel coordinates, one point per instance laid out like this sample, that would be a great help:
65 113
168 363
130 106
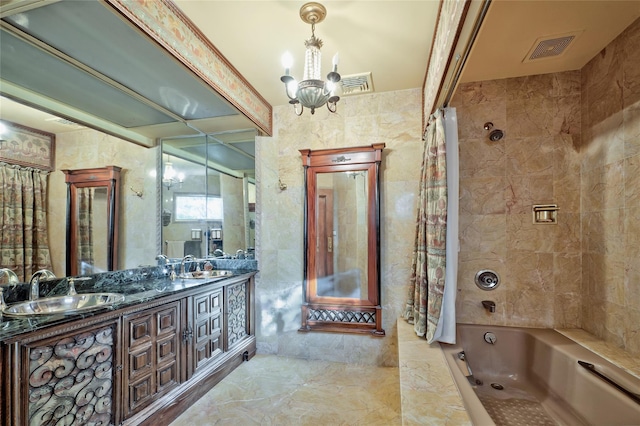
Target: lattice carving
71 381
327 315
237 319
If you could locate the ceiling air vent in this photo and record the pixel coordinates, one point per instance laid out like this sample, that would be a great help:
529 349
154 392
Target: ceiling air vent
547 47
356 84
65 122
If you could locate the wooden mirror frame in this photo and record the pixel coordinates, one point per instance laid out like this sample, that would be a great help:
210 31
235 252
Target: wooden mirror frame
341 314
103 177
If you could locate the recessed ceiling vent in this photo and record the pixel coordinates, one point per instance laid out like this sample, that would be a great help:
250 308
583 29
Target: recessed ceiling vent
548 47
356 84
65 122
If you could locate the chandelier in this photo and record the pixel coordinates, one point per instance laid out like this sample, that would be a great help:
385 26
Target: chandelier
312 92
169 175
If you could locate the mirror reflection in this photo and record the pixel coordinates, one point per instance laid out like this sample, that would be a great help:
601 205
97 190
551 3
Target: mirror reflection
208 195
92 230
342 234
93 200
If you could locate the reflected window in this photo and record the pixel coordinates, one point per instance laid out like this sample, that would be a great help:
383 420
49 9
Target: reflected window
191 207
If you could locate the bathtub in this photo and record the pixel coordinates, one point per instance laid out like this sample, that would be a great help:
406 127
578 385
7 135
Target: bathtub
527 376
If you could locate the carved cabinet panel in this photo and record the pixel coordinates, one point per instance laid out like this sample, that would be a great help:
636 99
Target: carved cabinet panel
152 359
67 378
236 303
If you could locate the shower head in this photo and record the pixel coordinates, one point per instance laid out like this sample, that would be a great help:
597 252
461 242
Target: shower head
496 135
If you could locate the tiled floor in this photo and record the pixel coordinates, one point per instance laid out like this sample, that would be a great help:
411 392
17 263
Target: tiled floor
271 390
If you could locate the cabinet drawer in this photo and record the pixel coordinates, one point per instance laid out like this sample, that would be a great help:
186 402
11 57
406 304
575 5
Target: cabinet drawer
153 355
140 361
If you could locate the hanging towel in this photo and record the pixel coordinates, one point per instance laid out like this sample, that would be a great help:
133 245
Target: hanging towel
174 249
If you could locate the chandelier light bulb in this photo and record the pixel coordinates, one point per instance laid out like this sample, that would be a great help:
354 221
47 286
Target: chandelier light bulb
287 62
169 173
335 61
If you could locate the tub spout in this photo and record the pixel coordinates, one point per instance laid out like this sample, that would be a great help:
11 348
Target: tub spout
489 305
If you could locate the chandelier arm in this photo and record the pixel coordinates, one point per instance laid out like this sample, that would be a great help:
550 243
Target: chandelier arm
329 106
295 109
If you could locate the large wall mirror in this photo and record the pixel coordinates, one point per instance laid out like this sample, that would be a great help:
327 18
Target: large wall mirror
105 113
92 220
342 240
208 195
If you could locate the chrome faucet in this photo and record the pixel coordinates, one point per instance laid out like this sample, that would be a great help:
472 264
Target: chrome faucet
12 278
162 259
34 282
489 305
185 259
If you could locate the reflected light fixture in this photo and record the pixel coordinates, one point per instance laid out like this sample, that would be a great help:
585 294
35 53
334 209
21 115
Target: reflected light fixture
312 92
169 175
3 130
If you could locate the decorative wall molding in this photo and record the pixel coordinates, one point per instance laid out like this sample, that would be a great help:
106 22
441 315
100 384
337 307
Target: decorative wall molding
450 20
163 21
27 147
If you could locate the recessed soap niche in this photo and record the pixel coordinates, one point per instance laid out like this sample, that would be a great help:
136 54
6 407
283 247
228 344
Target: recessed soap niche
545 214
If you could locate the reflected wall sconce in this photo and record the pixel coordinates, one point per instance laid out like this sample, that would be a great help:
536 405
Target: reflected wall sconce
138 193
169 175
312 92
3 130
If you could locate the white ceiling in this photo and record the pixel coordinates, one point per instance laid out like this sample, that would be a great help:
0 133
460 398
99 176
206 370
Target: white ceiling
392 39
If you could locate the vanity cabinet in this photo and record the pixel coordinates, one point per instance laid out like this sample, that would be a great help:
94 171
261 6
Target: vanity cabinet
151 363
139 365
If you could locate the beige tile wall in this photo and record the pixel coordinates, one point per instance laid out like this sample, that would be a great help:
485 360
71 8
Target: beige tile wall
537 162
611 192
392 118
573 139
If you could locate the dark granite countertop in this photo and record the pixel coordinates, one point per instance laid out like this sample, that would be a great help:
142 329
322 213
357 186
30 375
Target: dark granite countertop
139 286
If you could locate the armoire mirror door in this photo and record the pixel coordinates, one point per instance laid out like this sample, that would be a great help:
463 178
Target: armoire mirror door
342 240
92 220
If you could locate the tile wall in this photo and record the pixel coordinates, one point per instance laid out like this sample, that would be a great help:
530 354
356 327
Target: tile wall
389 117
611 192
536 162
572 138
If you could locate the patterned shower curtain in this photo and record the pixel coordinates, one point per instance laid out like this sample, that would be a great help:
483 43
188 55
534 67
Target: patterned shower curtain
424 301
85 230
24 241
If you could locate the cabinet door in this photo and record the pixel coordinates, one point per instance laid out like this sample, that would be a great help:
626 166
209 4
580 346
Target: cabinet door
152 355
69 378
237 297
207 327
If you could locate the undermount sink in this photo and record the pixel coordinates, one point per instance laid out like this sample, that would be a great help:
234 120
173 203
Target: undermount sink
62 304
206 274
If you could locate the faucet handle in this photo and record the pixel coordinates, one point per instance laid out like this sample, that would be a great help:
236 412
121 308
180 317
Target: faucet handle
72 287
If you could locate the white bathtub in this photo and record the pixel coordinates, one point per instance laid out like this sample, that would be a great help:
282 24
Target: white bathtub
541 379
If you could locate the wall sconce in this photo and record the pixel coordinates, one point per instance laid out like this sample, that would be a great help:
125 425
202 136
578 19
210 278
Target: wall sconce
3 131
